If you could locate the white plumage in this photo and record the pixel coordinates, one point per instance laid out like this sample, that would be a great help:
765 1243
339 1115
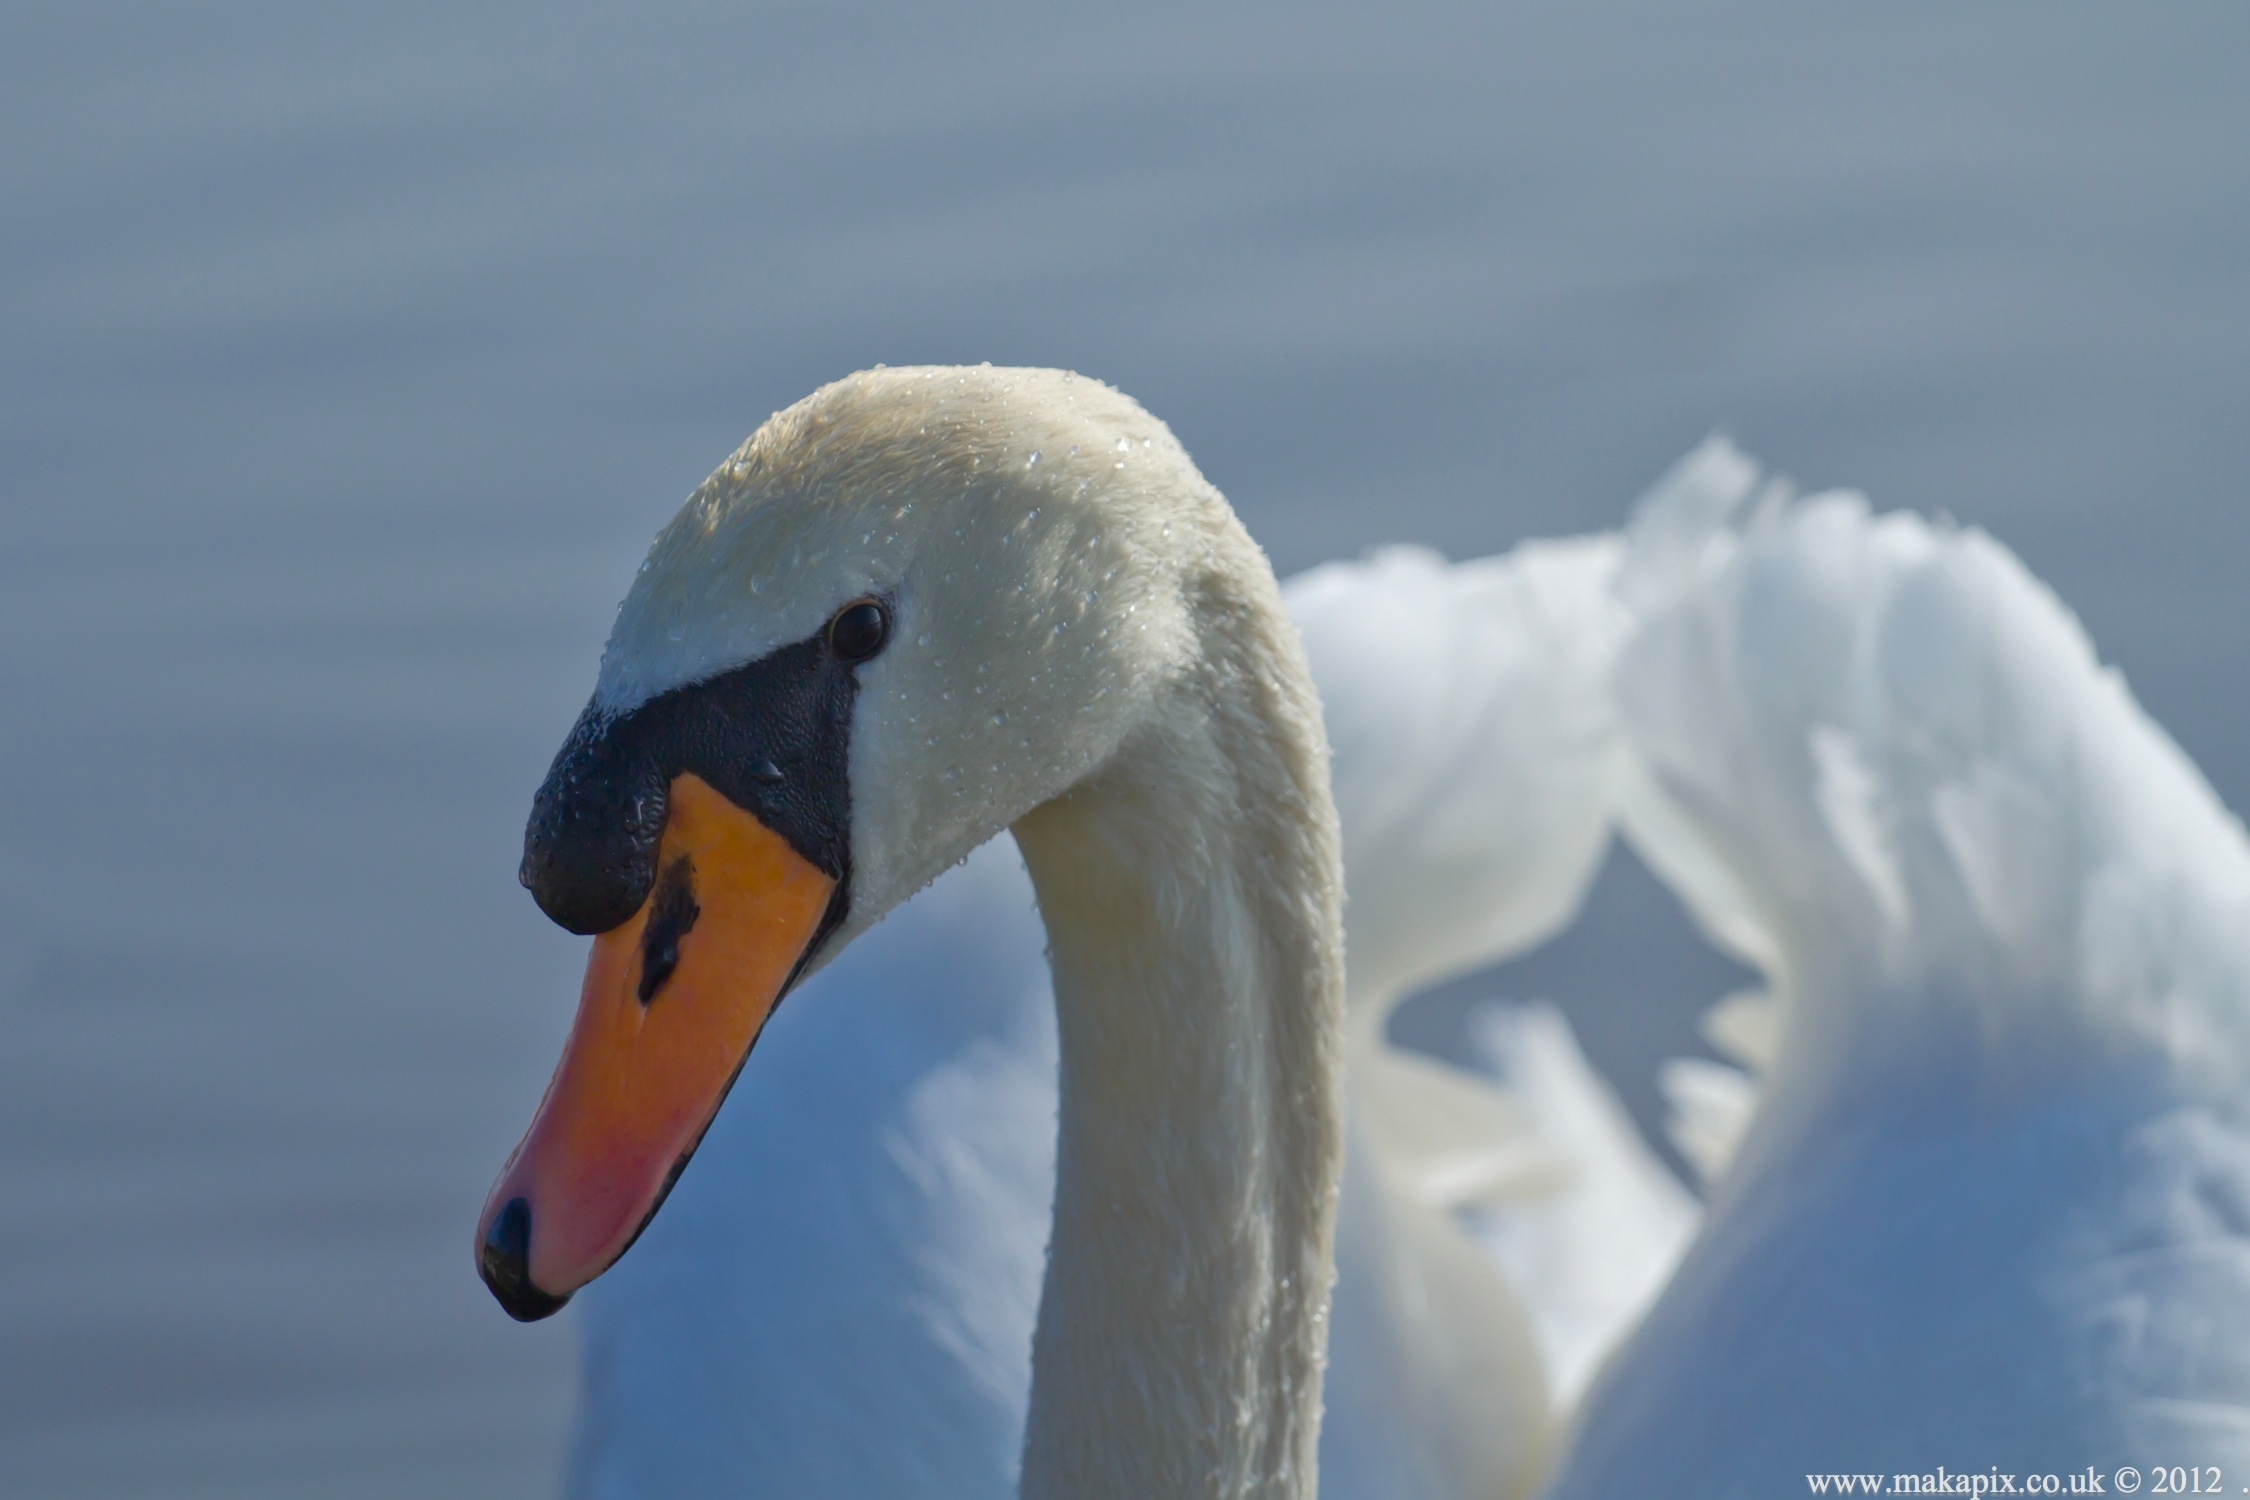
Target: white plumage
1993 1208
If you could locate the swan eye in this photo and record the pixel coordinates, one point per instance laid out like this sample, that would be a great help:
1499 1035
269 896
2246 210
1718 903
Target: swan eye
859 630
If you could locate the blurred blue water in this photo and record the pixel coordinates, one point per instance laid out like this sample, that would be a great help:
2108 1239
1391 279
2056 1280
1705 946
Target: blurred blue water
348 358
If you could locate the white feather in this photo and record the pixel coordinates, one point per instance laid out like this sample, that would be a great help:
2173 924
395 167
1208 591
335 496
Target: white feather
1993 1207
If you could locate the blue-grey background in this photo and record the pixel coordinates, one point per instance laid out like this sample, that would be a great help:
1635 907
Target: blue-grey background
349 356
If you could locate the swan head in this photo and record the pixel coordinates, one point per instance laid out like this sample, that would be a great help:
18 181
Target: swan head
909 610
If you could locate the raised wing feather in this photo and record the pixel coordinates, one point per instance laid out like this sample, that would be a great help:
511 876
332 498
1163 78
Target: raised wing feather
1990 1210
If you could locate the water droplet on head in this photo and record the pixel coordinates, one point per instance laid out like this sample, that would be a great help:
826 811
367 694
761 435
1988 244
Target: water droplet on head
1033 460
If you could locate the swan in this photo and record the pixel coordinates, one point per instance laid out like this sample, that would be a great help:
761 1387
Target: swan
1987 1205
917 608
863 1328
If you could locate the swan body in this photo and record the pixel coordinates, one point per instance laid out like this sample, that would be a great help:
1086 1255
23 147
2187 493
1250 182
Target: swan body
839 1299
1991 1208
916 609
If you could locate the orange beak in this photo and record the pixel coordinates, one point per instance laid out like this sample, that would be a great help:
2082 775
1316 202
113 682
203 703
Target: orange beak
673 1001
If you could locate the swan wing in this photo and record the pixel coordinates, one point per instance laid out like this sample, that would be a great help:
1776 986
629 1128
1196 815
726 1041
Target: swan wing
1989 1210
1511 1215
1475 751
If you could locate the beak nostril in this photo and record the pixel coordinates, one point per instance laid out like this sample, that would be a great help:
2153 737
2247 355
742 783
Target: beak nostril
673 913
504 1260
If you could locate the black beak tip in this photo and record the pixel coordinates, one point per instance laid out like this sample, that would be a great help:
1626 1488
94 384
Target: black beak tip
504 1261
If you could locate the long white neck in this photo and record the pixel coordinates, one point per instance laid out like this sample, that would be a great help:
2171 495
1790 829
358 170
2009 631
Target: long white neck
1191 892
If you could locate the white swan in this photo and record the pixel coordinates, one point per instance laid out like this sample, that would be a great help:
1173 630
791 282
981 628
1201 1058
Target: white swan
839 1299
1995 904
1993 1209
917 608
